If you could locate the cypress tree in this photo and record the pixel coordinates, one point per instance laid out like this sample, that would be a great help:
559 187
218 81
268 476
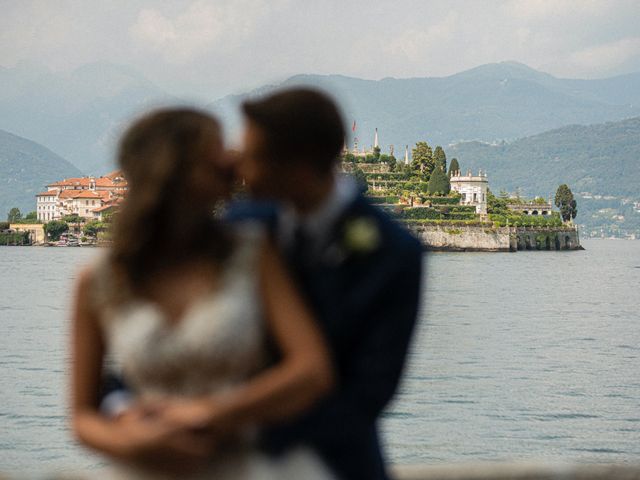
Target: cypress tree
439 183
453 167
566 203
14 215
439 158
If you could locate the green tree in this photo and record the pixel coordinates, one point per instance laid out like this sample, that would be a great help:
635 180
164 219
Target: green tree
73 218
108 216
496 205
349 158
376 152
361 179
4 225
31 217
439 183
92 228
422 158
15 238
392 162
14 215
453 167
55 228
566 203
440 158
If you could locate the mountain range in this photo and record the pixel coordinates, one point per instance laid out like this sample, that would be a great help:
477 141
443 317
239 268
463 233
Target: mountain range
25 168
78 115
601 159
493 102
81 114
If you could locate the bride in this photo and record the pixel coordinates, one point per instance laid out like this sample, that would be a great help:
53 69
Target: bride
201 319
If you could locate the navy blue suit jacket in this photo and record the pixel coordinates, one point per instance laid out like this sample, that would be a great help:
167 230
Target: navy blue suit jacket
365 297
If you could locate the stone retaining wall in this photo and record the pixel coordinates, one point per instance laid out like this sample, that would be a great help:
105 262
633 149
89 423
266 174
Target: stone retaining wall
476 238
517 472
465 238
548 239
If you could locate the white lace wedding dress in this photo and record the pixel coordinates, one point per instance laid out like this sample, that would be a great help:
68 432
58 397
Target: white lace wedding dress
219 343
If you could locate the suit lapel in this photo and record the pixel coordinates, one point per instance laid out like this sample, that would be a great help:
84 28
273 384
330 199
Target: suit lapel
328 278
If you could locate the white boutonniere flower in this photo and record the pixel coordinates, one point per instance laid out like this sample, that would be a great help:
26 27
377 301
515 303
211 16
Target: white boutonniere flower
361 235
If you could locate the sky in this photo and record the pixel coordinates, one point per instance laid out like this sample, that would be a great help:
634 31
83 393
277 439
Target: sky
211 48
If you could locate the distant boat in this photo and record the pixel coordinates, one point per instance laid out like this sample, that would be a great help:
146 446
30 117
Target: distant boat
67 240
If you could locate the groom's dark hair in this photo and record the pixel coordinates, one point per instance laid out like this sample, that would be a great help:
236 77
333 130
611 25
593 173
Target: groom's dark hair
300 124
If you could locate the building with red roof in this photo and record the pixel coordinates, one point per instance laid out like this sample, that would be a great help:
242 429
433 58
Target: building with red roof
82 196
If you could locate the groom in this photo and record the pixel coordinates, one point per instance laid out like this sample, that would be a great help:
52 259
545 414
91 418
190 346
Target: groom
359 271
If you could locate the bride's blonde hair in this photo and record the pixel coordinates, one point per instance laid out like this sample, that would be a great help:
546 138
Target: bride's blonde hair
162 220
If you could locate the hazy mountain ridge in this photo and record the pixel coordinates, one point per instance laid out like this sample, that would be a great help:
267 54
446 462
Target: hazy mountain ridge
601 159
79 115
488 103
25 168
601 164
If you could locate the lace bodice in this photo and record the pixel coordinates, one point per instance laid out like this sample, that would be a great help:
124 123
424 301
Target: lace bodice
218 342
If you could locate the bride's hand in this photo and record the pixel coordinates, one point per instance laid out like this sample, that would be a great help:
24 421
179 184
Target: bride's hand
141 410
199 414
156 443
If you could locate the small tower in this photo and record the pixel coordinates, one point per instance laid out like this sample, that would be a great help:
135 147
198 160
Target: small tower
375 140
406 154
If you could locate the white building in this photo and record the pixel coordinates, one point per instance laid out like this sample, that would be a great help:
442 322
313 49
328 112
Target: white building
82 203
46 206
473 189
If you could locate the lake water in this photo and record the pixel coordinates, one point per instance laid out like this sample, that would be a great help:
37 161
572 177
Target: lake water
520 356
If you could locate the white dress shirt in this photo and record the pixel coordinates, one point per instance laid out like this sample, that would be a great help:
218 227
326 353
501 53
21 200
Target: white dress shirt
318 224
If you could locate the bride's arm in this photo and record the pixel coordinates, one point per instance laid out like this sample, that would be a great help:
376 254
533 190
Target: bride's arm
87 352
303 374
131 440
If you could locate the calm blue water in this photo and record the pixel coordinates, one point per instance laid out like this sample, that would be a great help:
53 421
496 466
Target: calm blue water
521 356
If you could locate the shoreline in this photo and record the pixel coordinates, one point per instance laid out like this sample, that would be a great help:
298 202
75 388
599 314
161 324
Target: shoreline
484 238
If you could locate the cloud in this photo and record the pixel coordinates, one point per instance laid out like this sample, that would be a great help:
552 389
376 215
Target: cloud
414 44
203 27
544 10
206 48
606 57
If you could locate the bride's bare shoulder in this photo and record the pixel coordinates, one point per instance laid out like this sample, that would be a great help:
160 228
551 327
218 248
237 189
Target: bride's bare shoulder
93 281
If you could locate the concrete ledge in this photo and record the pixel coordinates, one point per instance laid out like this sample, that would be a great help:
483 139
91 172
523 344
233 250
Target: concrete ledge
508 471
479 471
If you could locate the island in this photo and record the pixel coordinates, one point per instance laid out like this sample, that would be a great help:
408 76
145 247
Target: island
449 210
